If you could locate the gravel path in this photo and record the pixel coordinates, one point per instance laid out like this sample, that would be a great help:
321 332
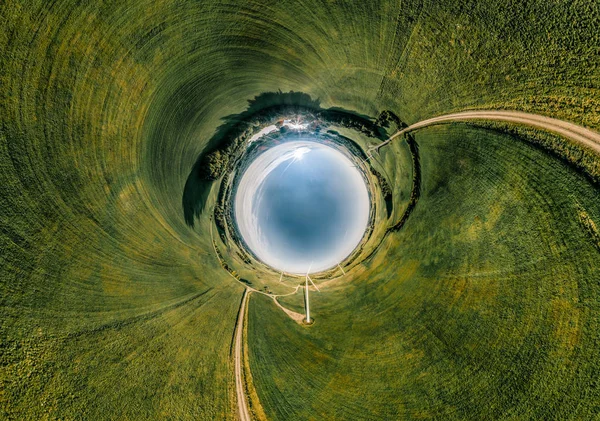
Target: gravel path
576 133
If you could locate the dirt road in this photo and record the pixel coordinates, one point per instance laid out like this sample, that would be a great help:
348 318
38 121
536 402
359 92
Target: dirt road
239 379
578 134
297 317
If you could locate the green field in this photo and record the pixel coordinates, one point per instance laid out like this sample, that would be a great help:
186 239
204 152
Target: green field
485 305
492 299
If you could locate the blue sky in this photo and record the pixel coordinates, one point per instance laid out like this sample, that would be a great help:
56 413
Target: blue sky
302 203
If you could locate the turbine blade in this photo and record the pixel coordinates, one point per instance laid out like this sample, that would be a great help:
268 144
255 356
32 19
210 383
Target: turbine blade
309 268
311 281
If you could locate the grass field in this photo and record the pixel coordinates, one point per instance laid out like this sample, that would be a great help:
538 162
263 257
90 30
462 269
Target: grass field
485 304
487 297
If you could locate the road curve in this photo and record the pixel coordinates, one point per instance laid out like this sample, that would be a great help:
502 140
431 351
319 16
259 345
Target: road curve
239 379
576 133
297 317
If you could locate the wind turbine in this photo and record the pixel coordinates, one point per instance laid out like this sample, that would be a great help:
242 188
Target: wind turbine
363 161
306 279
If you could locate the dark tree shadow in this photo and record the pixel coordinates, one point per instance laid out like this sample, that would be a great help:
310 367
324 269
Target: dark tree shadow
261 109
198 184
416 187
195 194
389 206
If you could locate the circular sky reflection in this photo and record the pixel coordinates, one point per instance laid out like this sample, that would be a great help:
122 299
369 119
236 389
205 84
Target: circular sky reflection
302 206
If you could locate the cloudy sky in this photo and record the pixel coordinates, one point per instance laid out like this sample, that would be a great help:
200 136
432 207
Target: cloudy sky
301 204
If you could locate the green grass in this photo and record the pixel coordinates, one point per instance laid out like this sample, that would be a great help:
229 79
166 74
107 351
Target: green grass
112 307
486 306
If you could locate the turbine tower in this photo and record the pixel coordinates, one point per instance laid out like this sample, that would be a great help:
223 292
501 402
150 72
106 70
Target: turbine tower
306 300
306 279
